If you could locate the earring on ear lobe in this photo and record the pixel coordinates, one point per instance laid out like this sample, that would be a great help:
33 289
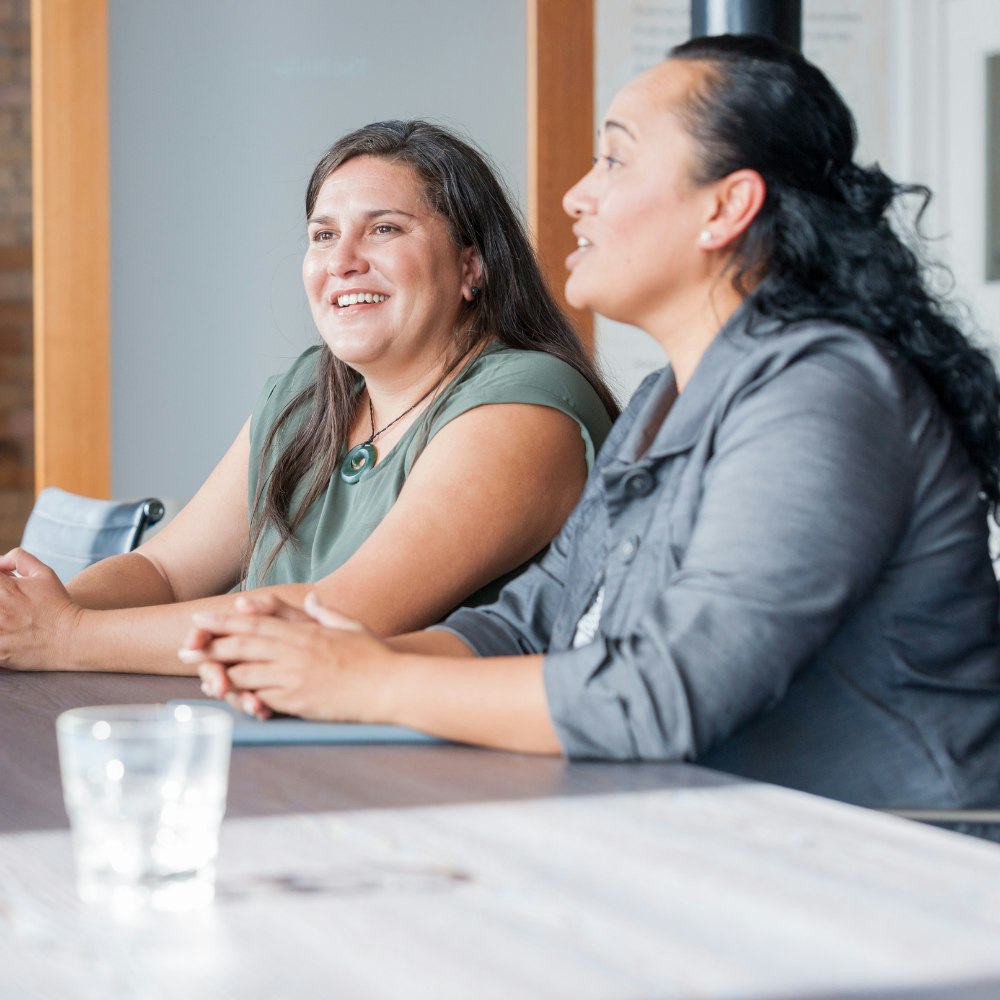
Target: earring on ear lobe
475 292
705 235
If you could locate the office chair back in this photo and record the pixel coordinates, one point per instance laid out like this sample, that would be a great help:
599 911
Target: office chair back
70 532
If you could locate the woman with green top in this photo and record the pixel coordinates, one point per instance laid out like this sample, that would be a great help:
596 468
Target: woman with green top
429 448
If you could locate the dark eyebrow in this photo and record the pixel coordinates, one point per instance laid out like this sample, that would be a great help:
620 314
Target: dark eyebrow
375 213
611 123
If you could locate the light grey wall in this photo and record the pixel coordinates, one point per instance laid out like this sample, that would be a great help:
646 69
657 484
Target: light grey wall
219 111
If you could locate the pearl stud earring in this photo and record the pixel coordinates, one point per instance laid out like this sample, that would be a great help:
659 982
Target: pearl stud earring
705 235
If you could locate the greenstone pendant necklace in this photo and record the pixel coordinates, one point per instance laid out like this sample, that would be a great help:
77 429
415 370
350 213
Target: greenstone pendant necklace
362 457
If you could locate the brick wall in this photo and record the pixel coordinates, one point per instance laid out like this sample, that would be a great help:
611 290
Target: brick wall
16 414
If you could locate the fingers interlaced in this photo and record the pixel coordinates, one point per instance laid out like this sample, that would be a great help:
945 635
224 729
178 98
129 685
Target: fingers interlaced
229 649
214 681
217 683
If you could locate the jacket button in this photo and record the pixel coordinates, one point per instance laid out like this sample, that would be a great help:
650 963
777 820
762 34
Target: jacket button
629 548
639 483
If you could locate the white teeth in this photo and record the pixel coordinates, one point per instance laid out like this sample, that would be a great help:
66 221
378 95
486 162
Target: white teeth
582 241
355 297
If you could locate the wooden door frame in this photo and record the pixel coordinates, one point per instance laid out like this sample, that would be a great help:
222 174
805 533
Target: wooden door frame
560 132
69 127
70 203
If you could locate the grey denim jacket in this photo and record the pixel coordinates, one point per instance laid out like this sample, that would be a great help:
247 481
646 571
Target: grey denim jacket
797 584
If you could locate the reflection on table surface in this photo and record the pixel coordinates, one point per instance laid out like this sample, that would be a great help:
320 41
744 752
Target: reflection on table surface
446 871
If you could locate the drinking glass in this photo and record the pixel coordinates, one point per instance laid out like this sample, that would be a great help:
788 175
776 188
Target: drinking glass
145 790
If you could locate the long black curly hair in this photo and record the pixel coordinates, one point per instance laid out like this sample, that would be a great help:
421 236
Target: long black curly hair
823 244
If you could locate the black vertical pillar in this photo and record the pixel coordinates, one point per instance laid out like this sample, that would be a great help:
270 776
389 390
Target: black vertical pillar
780 19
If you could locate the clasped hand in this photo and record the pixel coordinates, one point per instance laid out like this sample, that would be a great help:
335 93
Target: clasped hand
267 656
37 614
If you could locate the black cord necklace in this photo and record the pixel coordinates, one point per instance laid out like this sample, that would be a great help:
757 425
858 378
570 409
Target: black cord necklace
362 457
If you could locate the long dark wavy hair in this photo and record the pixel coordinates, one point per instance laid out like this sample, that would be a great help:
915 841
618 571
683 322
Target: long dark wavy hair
822 245
514 308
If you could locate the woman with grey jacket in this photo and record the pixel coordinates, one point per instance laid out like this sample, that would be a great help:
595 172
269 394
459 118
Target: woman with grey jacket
779 566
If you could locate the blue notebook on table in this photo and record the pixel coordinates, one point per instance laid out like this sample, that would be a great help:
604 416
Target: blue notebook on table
248 731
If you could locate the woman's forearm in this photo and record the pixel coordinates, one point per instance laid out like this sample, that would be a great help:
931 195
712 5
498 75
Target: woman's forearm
433 642
127 638
498 702
144 639
126 581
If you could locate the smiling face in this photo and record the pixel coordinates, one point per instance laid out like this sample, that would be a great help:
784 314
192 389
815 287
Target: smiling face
385 282
638 213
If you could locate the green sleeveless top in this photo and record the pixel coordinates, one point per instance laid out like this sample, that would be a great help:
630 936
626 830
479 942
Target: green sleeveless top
344 515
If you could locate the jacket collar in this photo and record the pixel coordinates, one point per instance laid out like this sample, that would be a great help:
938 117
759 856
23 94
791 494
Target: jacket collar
676 419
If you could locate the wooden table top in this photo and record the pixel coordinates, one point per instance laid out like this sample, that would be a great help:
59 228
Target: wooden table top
445 871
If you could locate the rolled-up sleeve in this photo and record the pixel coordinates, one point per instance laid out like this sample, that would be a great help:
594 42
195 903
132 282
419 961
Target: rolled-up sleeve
804 493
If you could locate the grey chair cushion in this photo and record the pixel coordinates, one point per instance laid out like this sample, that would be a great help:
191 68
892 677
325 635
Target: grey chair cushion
70 532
